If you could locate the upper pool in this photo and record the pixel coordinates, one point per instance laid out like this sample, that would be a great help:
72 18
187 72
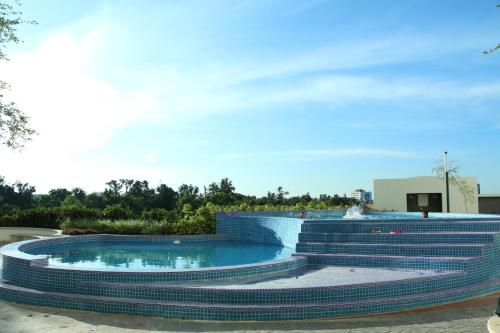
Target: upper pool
178 255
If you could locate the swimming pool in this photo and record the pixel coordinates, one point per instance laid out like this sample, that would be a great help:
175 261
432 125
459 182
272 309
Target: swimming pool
175 254
247 270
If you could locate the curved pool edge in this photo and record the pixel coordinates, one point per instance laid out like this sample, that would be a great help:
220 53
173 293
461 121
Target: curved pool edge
34 271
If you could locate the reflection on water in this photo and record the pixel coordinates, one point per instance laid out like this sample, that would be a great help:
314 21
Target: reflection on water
141 255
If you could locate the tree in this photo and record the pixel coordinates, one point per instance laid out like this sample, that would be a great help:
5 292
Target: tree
281 195
79 194
112 193
166 197
468 192
126 184
221 194
57 196
14 127
189 194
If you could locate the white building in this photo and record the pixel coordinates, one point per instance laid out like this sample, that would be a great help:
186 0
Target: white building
362 195
417 193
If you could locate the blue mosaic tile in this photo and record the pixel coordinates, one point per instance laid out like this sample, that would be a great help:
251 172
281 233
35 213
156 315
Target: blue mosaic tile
469 248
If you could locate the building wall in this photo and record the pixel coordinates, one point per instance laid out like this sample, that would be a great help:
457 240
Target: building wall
489 204
390 194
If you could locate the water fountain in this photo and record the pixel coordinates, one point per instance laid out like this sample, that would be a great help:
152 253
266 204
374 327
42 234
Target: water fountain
355 212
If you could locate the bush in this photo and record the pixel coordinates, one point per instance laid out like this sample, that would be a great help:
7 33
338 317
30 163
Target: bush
157 228
200 222
8 209
79 213
8 221
39 218
124 227
157 214
116 212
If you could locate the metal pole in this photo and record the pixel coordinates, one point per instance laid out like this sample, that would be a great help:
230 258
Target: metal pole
447 182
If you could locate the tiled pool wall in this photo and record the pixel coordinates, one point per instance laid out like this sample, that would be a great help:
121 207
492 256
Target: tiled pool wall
474 276
34 272
262 229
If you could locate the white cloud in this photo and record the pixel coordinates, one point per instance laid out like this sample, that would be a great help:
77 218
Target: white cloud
75 109
70 108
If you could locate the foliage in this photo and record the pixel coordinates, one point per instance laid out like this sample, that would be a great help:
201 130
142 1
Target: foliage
79 212
38 218
189 194
222 193
17 195
124 227
14 128
160 210
468 192
116 212
157 214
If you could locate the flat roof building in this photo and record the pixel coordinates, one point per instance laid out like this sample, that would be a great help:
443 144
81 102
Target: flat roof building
362 195
428 192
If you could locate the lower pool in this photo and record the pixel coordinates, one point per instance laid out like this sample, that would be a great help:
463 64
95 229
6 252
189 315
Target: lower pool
177 255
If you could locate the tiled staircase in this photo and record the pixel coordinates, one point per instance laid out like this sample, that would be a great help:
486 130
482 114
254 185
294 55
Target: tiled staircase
424 244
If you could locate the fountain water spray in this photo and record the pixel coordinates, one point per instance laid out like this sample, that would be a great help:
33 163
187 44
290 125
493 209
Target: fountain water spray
355 212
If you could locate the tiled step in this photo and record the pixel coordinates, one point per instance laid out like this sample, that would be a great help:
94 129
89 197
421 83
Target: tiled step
385 227
405 238
358 260
205 311
451 250
285 294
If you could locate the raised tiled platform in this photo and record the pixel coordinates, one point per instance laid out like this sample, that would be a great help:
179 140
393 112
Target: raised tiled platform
341 268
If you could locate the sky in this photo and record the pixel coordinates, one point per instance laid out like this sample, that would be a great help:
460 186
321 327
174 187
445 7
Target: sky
315 96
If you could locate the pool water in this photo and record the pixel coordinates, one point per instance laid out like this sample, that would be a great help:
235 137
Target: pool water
162 255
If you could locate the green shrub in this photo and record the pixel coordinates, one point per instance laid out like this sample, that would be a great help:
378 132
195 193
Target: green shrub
8 221
8 209
40 217
125 227
116 212
157 214
200 222
79 213
157 228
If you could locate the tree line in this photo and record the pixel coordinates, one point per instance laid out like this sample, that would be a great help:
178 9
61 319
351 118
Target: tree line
137 196
126 199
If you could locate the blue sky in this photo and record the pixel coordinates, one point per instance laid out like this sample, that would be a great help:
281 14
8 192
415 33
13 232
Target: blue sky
315 96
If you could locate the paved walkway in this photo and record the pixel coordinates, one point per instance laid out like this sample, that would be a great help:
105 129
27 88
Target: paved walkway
465 317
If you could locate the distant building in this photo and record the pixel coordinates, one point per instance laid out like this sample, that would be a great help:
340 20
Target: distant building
362 195
417 193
